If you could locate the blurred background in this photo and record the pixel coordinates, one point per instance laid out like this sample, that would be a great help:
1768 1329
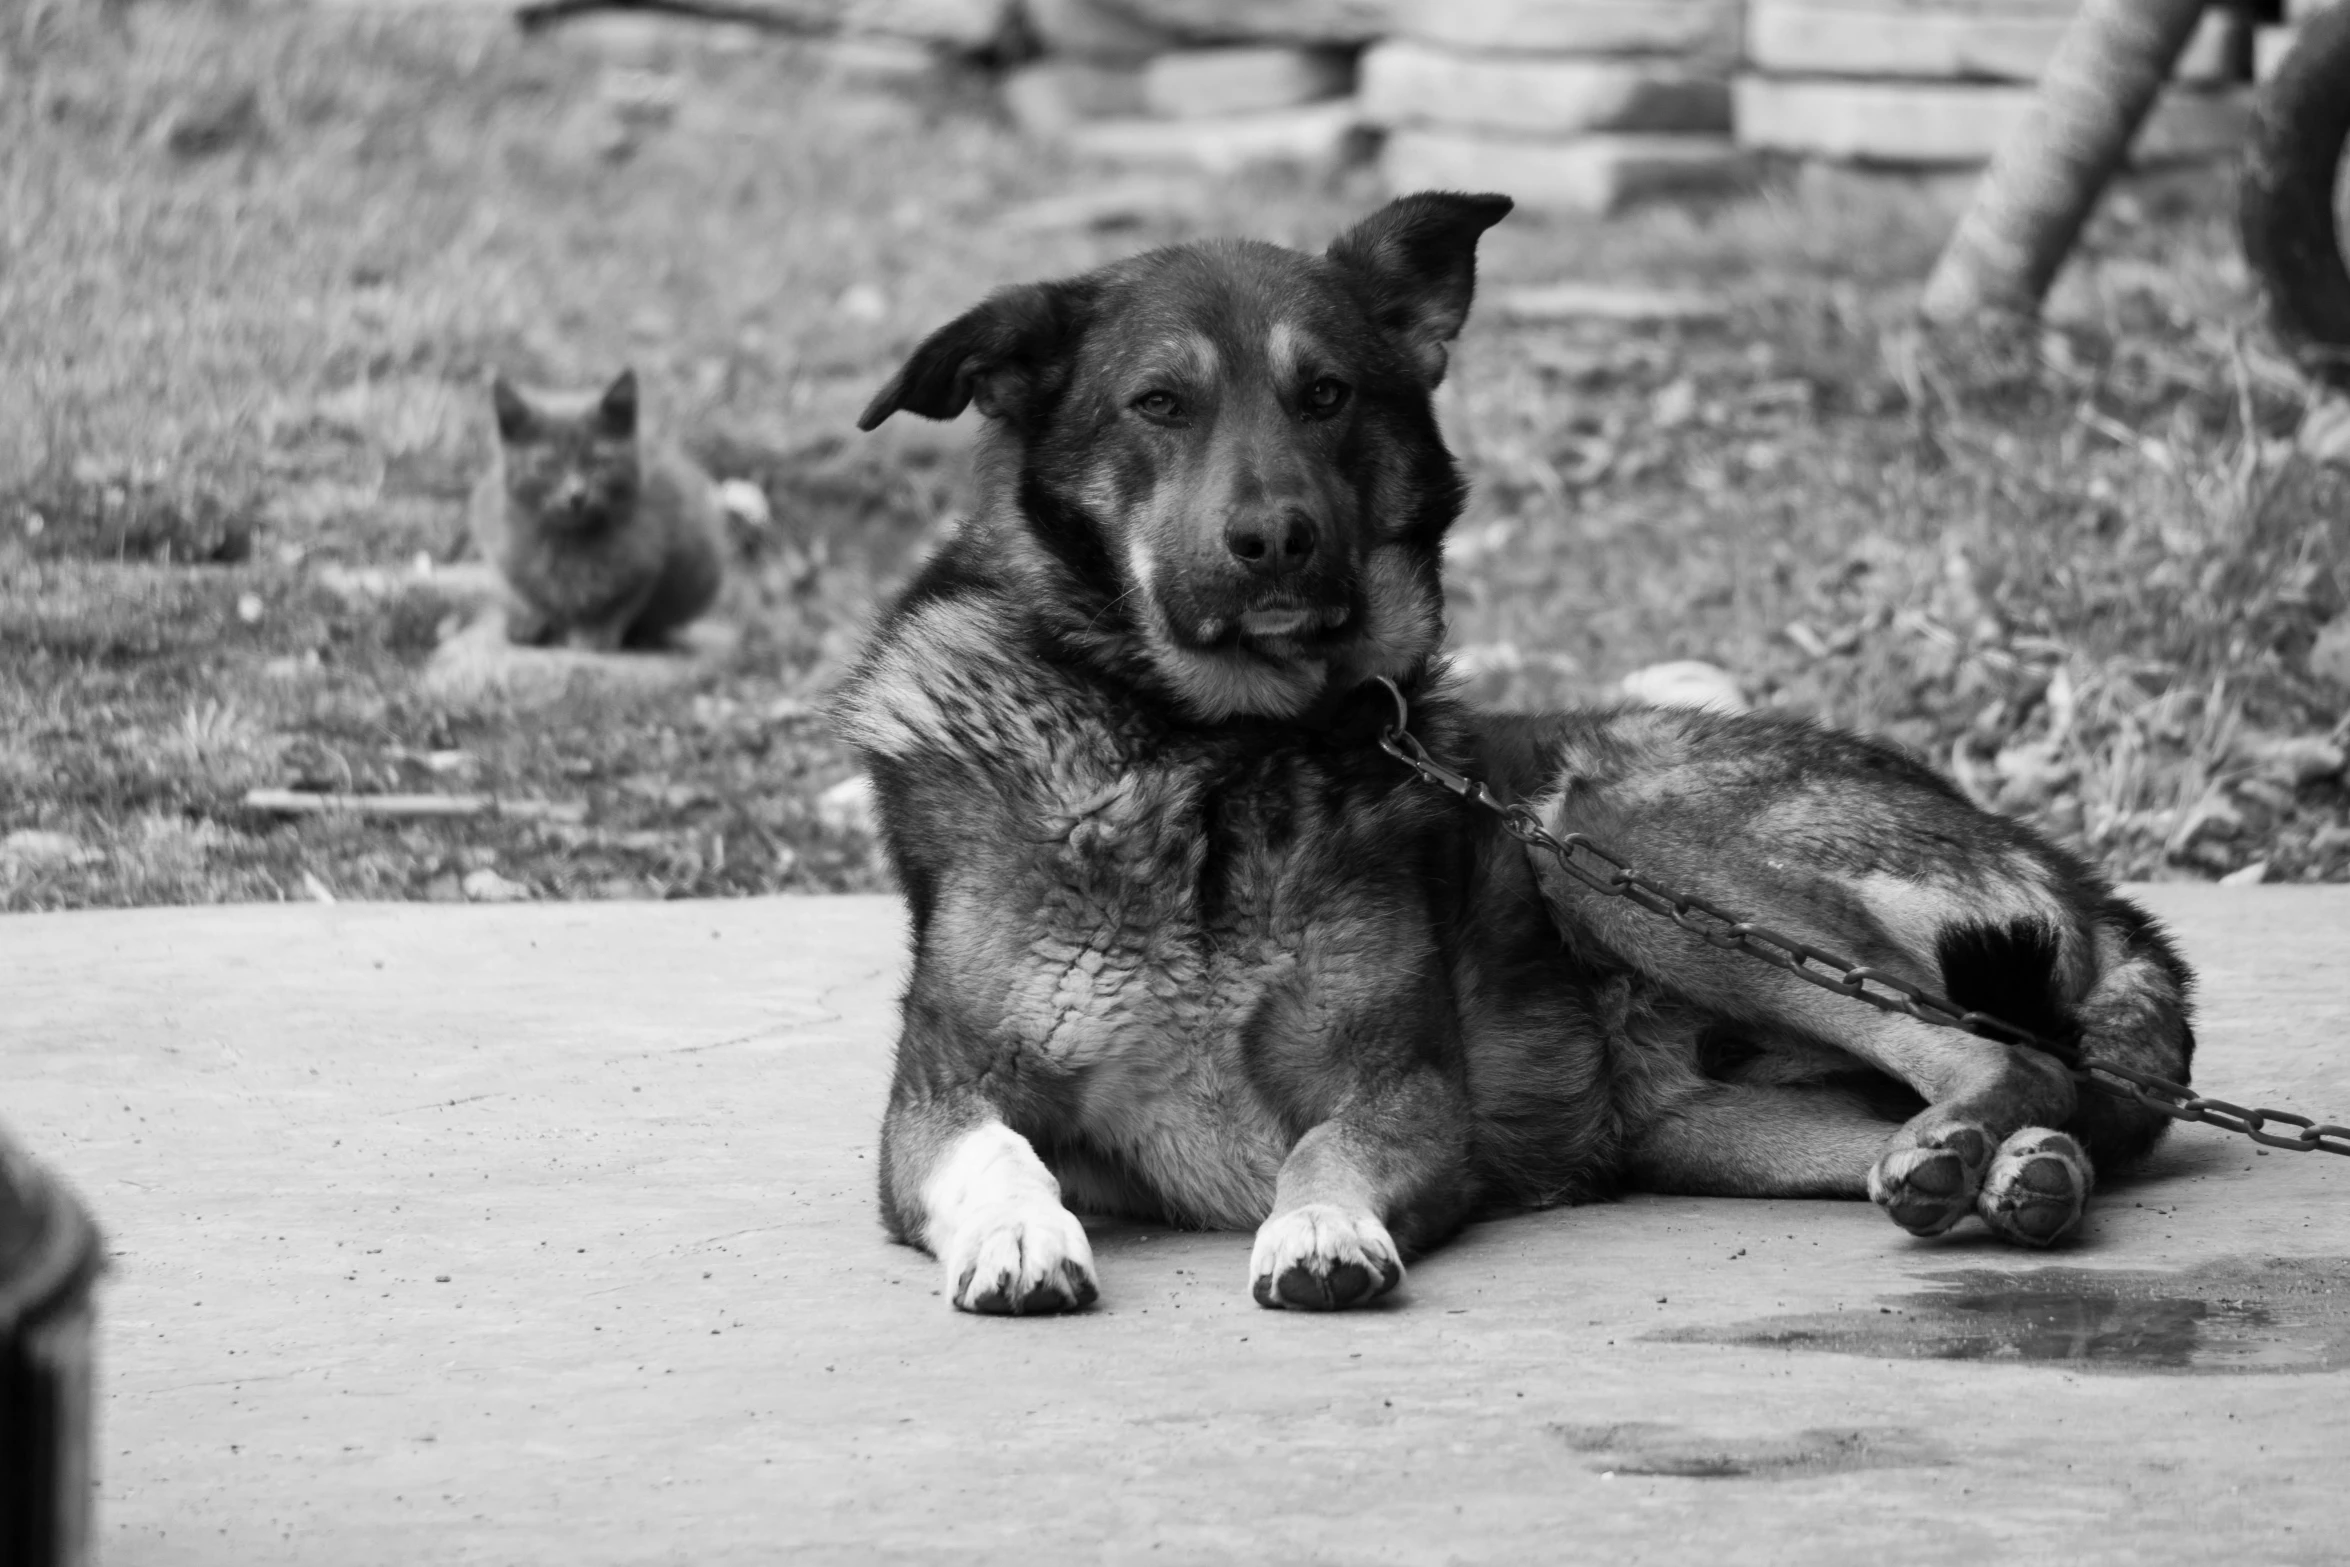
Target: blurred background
258 261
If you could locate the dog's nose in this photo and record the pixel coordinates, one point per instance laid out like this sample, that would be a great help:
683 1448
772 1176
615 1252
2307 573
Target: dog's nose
1271 543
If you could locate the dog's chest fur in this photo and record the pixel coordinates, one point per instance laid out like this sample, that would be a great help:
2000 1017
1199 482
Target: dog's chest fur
1150 927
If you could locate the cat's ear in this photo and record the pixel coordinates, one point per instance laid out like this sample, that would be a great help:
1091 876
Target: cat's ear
618 409
999 354
1416 259
513 412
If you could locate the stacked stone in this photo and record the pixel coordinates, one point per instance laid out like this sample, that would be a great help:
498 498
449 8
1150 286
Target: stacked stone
2271 44
1211 84
1943 82
1572 105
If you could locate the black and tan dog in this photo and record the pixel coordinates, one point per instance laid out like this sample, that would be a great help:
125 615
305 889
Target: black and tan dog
1189 945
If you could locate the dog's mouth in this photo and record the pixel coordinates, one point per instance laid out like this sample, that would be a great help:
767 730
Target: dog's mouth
1272 628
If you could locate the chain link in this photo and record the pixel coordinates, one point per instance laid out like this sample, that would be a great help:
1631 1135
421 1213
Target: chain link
1612 876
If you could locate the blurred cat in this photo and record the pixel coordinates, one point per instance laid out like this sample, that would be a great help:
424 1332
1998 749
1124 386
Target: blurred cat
605 539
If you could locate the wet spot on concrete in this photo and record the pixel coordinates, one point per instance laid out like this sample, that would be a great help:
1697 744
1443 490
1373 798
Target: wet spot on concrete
1642 1448
2233 1316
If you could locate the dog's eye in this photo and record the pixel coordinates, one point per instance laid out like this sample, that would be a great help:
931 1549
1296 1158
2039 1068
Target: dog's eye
1326 396
1158 405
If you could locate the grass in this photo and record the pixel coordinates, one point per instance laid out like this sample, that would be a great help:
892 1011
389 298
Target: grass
256 260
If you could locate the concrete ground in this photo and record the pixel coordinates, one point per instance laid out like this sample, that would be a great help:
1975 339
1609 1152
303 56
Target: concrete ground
545 1235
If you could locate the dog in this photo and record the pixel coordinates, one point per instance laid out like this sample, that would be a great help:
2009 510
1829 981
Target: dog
1189 946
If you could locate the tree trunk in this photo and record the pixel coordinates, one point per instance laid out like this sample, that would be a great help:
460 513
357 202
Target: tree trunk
2044 181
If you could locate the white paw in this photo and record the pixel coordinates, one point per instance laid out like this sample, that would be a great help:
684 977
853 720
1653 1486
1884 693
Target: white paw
1322 1257
1021 1257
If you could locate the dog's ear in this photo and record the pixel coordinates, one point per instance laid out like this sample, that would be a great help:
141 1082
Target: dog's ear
1417 260
996 354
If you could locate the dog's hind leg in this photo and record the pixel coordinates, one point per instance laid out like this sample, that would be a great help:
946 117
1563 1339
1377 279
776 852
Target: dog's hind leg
1760 1140
960 1183
1855 850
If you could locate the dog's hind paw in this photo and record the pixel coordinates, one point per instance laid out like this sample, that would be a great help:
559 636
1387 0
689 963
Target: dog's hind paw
2037 1187
1020 1259
1322 1257
1928 1186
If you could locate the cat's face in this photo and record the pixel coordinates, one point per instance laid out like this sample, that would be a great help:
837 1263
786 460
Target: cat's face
570 461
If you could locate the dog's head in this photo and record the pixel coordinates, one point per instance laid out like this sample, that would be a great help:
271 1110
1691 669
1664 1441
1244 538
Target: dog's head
1227 450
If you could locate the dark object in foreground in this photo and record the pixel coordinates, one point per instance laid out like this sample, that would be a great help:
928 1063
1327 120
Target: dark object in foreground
49 1257
1190 946
2288 216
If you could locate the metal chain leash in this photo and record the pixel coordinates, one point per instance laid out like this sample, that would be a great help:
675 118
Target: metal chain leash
1614 877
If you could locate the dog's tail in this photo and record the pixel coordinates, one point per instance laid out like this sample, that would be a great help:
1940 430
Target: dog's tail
2137 1013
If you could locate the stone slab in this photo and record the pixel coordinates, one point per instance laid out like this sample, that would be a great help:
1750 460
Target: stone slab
1930 123
544 1234
1409 83
1265 21
1319 135
1704 28
1189 84
2270 47
1906 38
1095 30
1049 96
1595 174
478 666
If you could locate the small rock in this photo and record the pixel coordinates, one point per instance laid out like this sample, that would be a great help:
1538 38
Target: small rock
2329 655
2324 435
862 302
213 122
1687 682
1674 405
249 608
487 886
847 807
2250 876
34 849
746 503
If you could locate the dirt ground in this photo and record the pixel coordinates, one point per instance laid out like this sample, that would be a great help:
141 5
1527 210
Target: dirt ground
256 262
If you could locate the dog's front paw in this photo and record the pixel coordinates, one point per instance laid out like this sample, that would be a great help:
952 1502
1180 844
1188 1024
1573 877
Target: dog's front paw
1020 1259
2037 1187
1928 1186
1321 1257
